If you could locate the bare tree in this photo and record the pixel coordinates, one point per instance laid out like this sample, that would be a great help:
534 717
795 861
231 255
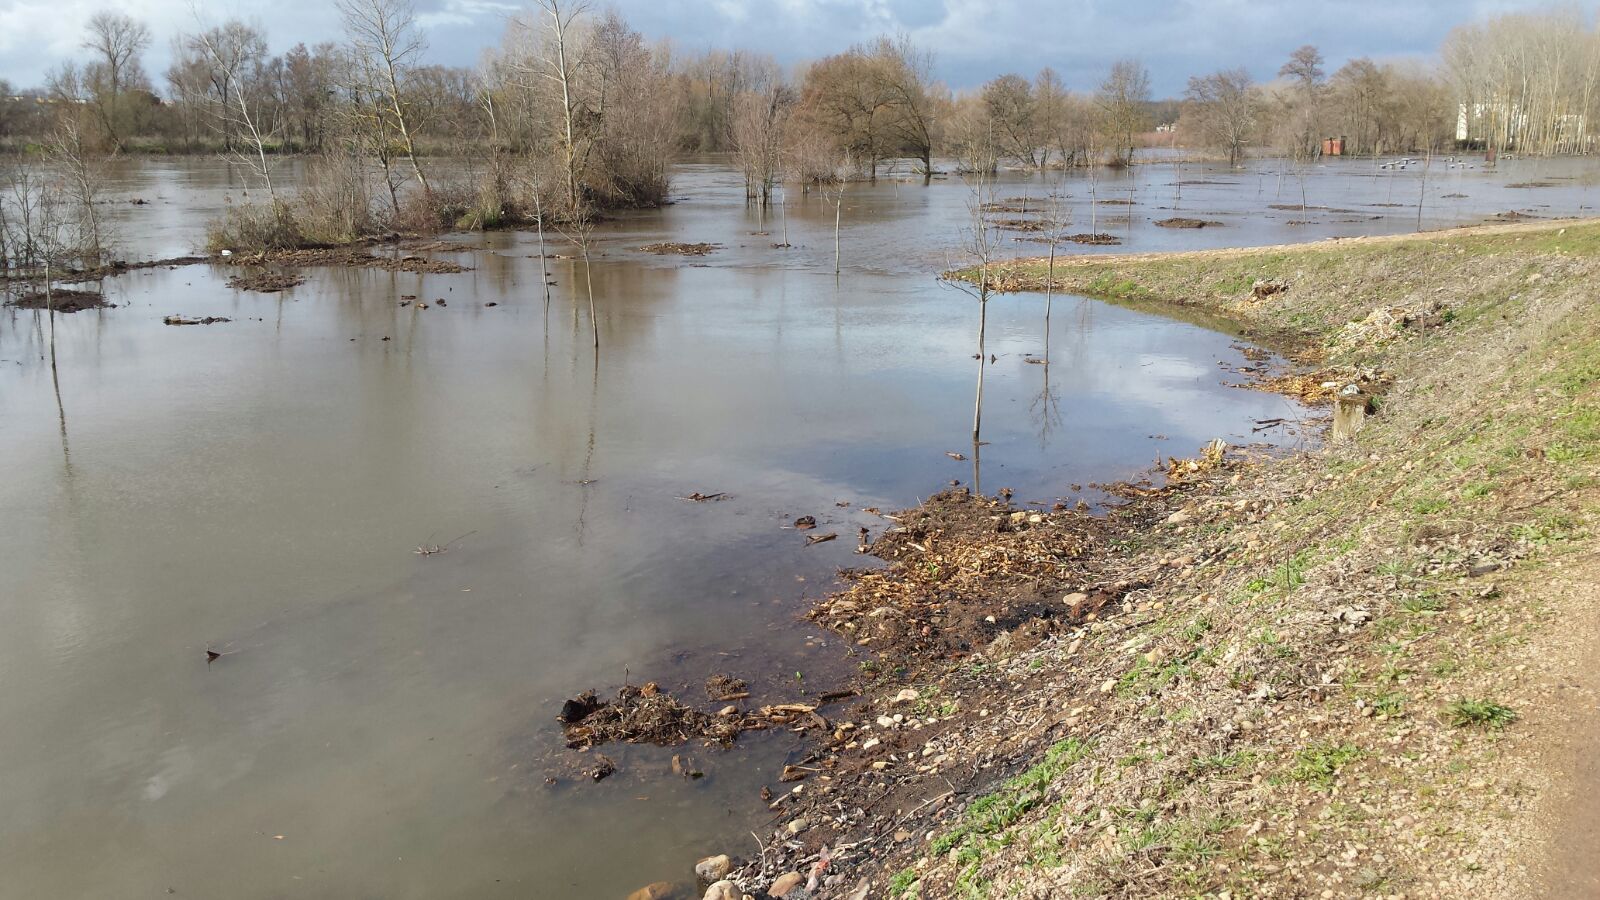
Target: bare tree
1122 98
30 221
1223 105
386 43
1009 103
81 184
632 117
978 246
759 127
844 99
117 41
544 266
972 136
560 66
234 52
1052 219
1526 81
1051 112
906 77
580 229
836 194
1307 82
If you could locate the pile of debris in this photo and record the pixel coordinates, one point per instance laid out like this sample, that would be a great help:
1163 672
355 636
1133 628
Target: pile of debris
641 714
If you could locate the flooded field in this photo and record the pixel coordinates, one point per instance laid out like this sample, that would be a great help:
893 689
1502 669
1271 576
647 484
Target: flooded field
380 721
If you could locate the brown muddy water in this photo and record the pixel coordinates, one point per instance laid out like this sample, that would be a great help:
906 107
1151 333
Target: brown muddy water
380 723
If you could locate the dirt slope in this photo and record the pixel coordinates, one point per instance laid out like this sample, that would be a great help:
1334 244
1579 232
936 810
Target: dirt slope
1359 671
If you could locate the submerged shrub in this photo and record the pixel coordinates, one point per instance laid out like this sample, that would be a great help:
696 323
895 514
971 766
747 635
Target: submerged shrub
255 227
335 206
437 209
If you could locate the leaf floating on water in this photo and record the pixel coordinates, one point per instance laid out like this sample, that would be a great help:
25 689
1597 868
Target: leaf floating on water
431 549
698 497
805 523
959 457
820 538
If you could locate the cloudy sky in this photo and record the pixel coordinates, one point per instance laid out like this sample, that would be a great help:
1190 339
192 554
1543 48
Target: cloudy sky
972 39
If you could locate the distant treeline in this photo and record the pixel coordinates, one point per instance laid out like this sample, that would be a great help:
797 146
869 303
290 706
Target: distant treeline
1524 82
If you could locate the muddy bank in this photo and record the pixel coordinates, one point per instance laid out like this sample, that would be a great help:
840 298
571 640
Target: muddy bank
345 258
111 269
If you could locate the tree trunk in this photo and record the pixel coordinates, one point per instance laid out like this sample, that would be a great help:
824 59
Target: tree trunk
594 323
838 212
983 322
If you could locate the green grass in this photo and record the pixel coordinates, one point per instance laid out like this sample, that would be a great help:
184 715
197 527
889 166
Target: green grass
905 884
1319 764
1487 714
1389 703
983 826
1221 762
1118 288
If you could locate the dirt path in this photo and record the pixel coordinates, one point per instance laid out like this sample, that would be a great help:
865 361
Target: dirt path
1574 823
1112 259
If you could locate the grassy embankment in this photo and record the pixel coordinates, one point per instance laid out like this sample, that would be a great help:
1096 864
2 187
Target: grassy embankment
1355 672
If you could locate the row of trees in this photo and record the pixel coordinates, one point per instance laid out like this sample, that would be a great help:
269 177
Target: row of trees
1373 108
1527 82
1524 82
604 110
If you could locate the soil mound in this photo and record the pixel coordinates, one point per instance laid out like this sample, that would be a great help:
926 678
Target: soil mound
266 282
65 300
670 248
1180 222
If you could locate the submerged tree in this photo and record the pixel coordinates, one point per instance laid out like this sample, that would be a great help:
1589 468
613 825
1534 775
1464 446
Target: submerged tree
759 132
1307 82
1222 108
557 62
978 247
81 188
233 53
384 44
873 103
1122 98
914 120
117 41
1009 109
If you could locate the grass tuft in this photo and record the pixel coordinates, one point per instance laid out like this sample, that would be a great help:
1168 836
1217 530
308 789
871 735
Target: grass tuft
1487 714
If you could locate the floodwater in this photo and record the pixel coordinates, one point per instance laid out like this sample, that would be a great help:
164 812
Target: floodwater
380 723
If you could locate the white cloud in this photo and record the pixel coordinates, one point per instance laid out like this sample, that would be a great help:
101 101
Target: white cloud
457 13
972 39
